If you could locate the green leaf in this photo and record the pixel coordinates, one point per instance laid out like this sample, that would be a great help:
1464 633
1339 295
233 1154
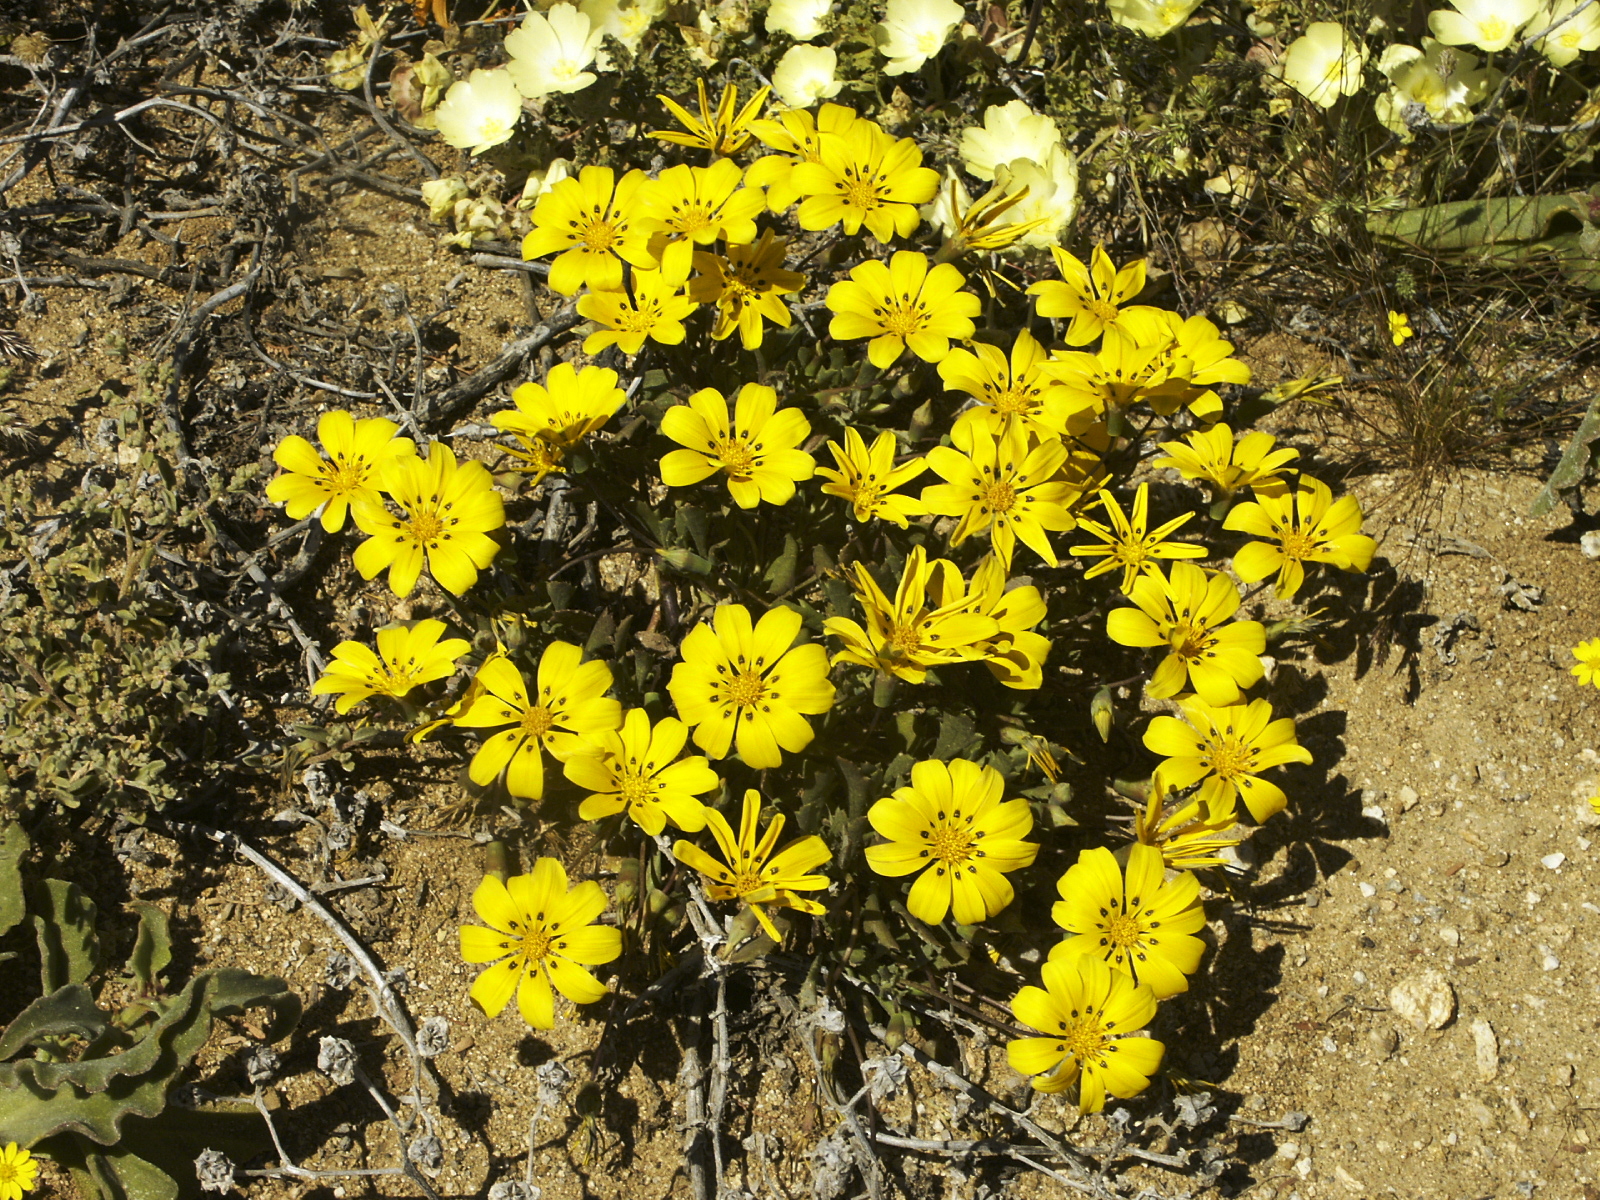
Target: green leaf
152 949
13 849
63 921
1574 460
957 738
780 574
69 1012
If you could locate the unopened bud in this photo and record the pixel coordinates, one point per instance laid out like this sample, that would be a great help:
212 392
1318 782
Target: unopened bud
1102 713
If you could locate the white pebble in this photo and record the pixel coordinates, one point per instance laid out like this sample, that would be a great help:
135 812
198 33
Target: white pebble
1289 1151
1552 862
1368 890
1360 978
1450 935
1548 961
1533 897
1373 813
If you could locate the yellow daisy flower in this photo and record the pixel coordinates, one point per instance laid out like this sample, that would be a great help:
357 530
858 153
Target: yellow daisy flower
694 206
539 933
750 871
1400 328
1305 524
902 305
1225 465
867 478
18 1172
1088 296
357 451
591 223
553 417
637 771
1019 388
1587 670
974 227
950 824
1225 749
746 283
407 657
1189 613
725 131
1140 923
654 307
1087 1013
1194 354
449 513
1127 545
1014 654
748 687
571 712
905 637
797 135
864 177
1190 835
1002 485
757 449
1121 374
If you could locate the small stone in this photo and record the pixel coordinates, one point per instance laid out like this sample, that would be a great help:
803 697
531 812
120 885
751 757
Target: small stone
1426 1000
1485 1050
1407 798
1450 936
1562 1076
1288 1151
1312 898
1552 862
1367 890
1589 543
1373 813
1359 978
1349 1181
1548 961
1384 1042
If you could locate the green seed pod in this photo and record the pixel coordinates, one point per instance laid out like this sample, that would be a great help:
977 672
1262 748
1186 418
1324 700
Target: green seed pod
1102 713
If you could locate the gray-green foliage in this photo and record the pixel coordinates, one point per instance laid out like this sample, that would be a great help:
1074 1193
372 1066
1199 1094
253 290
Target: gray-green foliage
102 687
88 1086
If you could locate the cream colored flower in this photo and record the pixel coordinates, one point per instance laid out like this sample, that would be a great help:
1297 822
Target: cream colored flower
800 19
1443 84
913 31
550 51
479 112
804 76
627 23
1052 197
1009 132
539 183
1153 18
1489 25
440 195
1324 64
1574 27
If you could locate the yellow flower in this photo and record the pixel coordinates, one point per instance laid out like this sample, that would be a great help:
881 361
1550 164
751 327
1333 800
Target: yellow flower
867 478
694 206
903 305
1001 485
1226 465
1127 545
539 934
1195 355
906 637
1190 835
593 222
749 869
745 283
1306 525
722 132
797 135
951 825
747 687
1014 655
976 227
1588 668
1122 373
571 713
553 417
653 307
757 450
637 771
1087 1012
1088 297
1140 924
1022 388
864 177
1400 328
357 451
1226 747
449 512
406 658
1188 614
18 1170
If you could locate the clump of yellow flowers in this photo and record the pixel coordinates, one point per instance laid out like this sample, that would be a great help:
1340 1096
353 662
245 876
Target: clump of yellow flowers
1015 515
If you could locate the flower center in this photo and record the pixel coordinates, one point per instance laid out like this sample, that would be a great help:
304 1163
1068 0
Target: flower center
1122 930
738 459
598 236
344 477
693 219
639 320
902 321
636 790
905 638
1129 554
536 944
538 721
1103 310
1001 496
746 689
859 193
951 844
492 127
1085 1037
426 528
395 681
1298 544
1189 640
1492 29
927 43
1230 758
564 68
1017 400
